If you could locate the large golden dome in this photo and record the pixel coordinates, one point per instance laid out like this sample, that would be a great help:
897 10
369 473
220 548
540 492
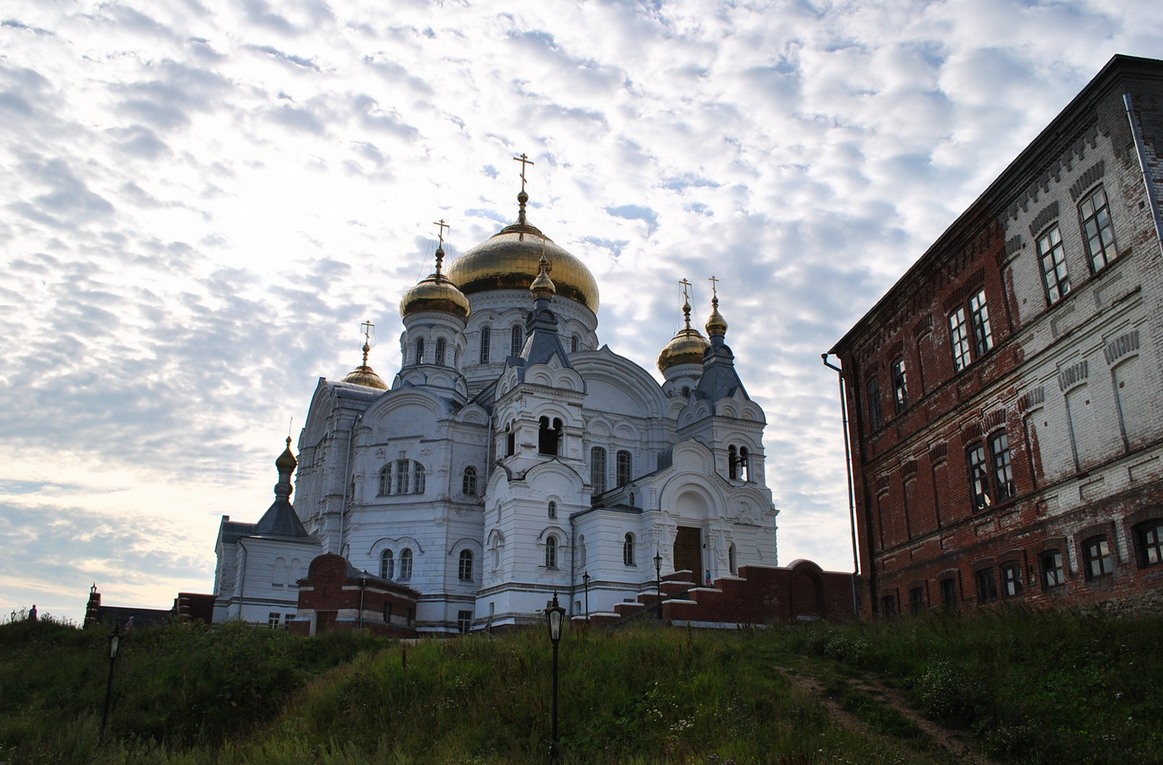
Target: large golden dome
509 260
436 292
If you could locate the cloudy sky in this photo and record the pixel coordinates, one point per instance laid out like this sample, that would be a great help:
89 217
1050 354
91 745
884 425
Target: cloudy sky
200 201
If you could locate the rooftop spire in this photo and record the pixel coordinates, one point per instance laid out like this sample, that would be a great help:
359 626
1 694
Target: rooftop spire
522 198
441 226
686 301
716 324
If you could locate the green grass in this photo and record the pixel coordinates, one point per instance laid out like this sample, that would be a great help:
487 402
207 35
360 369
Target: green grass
1021 687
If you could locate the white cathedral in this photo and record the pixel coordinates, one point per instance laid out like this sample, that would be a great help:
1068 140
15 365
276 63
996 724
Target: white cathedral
513 457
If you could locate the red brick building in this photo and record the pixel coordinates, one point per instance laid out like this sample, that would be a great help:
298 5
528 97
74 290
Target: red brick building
336 596
1004 399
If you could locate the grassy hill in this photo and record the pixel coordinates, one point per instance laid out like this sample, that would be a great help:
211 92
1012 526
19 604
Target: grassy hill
1001 686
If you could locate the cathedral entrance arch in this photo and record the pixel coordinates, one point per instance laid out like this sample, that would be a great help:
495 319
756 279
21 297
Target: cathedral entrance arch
688 551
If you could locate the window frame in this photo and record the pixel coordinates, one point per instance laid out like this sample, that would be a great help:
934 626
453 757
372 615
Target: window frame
598 469
1097 558
1148 537
385 485
900 385
419 477
875 410
551 552
1001 466
986 585
387 565
438 358
486 344
970 330
948 588
628 550
406 564
1107 251
465 567
1012 584
623 467
468 481
976 460
1052 261
1051 564
516 340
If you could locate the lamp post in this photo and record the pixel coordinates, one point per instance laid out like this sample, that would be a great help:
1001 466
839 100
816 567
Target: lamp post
658 579
554 618
586 582
114 644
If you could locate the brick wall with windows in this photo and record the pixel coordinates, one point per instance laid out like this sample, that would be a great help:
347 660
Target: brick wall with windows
1002 397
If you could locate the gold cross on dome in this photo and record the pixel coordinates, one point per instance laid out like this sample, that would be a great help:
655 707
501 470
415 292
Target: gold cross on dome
524 160
442 227
714 286
685 289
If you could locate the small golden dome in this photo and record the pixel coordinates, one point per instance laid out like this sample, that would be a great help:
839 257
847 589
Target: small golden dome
716 324
687 346
436 292
286 461
509 260
543 286
365 376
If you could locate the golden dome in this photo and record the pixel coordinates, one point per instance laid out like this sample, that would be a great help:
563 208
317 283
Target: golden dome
286 461
716 325
543 286
687 346
363 374
436 292
509 260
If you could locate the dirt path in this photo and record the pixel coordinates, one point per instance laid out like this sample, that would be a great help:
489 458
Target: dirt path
951 742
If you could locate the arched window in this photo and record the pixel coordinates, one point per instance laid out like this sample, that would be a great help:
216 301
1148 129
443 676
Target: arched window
516 340
732 462
551 552
401 476
464 571
731 559
406 564
417 478
495 550
387 565
628 550
468 484
549 436
486 341
386 480
279 575
573 343
510 441
552 509
440 351
744 464
420 350
581 552
623 465
598 470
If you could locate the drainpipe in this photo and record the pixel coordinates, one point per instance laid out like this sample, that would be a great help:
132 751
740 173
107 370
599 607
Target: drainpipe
1137 134
346 480
848 470
572 561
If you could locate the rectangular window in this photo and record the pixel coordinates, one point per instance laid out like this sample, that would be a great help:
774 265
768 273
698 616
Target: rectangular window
1097 555
1003 474
917 600
1011 579
978 477
464 621
949 593
875 415
888 606
486 341
273 619
959 334
623 465
387 613
401 476
986 586
1149 542
900 386
598 470
1097 229
1053 575
979 315
1052 256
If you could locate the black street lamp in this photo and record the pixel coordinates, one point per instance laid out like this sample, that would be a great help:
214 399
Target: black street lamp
554 618
658 579
586 582
114 644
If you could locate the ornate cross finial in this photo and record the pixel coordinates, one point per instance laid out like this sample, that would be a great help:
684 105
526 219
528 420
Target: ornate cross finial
714 286
524 160
441 227
367 328
686 296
